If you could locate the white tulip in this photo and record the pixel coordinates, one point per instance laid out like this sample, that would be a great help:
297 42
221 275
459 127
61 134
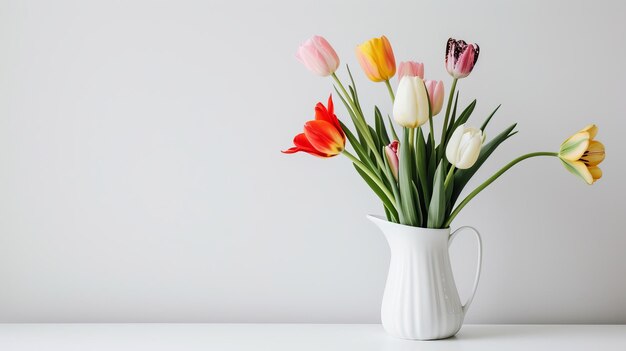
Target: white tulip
410 108
464 146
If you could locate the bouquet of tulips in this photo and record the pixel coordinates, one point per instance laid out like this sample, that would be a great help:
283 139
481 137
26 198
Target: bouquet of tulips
417 176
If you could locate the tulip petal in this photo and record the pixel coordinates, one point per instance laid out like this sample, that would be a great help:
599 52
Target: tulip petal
435 93
318 56
461 57
450 59
453 144
327 52
364 56
594 154
596 173
376 58
579 169
465 62
388 59
438 98
411 69
592 129
423 103
324 137
326 114
410 108
575 146
404 106
302 144
330 105
312 60
464 146
468 153
392 158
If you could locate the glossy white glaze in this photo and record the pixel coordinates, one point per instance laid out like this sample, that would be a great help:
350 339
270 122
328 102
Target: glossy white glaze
421 299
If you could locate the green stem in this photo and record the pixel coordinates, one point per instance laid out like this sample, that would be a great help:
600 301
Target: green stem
390 89
448 108
449 176
362 123
343 89
421 166
372 176
491 180
432 132
432 135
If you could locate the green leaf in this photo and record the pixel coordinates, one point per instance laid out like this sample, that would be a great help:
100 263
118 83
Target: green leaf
353 85
393 130
430 159
394 188
377 142
465 115
449 190
364 131
404 182
378 191
416 198
355 98
355 119
358 148
441 148
462 176
380 127
437 207
353 92
421 163
489 119
389 215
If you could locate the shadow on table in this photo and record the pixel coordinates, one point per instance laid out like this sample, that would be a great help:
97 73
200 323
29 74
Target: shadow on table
471 336
504 331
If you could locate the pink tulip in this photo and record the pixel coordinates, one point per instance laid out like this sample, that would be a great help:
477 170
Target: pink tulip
460 57
391 151
411 69
435 93
318 56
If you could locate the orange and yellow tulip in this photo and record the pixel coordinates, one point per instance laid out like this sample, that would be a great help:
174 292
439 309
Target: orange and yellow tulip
323 136
581 154
376 58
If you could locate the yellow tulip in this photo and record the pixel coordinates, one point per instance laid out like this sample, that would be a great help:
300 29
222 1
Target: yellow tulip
376 58
581 154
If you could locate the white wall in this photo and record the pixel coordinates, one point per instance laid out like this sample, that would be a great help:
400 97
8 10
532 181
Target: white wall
141 178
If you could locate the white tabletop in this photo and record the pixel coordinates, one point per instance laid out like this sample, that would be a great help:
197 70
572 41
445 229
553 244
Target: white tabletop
301 337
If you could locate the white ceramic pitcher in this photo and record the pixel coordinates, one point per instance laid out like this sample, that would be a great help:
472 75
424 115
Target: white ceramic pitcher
421 300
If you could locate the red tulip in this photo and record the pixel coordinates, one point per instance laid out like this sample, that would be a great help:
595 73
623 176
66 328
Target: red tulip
323 136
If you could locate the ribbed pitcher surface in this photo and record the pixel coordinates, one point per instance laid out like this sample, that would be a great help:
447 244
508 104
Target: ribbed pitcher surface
421 299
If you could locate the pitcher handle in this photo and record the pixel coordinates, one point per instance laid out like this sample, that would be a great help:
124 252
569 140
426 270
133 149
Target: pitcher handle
466 305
